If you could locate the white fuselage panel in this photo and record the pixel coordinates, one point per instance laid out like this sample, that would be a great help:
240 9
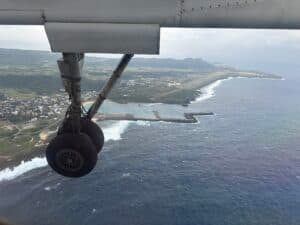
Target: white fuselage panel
166 13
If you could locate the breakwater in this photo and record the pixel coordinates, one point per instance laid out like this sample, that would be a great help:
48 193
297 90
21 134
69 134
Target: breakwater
187 117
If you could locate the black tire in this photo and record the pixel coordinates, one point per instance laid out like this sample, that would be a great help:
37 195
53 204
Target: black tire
89 128
71 155
94 132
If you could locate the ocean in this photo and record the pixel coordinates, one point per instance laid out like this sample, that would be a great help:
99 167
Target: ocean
238 167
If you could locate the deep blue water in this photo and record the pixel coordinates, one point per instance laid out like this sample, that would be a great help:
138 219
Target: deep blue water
239 167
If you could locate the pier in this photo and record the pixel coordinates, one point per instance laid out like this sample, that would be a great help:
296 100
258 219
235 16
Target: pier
187 117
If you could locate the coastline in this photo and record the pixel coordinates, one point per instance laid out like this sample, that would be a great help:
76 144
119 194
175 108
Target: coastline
35 159
213 82
193 89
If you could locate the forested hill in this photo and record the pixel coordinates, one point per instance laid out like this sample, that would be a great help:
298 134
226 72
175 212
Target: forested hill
30 58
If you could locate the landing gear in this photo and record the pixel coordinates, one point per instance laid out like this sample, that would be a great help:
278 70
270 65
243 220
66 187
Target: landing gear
88 127
73 152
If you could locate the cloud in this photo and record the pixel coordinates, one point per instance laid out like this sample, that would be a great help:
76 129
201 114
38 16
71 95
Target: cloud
217 41
23 37
245 48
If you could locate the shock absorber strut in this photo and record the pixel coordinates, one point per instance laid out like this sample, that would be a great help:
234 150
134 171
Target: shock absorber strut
109 85
70 67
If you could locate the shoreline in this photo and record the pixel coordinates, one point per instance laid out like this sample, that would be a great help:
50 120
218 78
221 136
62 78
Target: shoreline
202 84
36 160
204 92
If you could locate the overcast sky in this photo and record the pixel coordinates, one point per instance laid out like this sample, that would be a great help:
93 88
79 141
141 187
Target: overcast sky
234 47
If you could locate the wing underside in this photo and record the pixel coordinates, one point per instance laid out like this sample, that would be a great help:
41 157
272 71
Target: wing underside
132 26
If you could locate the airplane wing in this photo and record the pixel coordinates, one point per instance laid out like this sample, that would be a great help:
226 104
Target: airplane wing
132 26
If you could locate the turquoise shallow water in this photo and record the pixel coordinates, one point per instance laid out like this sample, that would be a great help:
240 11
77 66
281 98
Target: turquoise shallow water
241 166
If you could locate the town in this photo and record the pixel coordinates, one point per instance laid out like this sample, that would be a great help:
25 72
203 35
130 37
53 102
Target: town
18 109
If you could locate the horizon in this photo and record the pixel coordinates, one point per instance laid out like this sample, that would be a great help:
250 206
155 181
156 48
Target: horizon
151 57
117 56
243 48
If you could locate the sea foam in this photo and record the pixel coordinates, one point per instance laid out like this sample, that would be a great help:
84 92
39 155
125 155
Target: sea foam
208 91
113 132
24 167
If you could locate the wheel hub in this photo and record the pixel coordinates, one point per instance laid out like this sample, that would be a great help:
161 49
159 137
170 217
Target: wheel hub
69 160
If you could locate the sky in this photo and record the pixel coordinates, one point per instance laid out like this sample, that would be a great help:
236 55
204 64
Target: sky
235 47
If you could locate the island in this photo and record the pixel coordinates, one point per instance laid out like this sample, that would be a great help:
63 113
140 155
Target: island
33 102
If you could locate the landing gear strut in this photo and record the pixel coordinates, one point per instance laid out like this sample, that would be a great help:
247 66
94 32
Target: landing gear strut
73 152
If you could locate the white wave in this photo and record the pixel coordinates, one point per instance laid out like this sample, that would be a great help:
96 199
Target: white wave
143 123
115 131
49 188
208 91
154 104
9 174
126 175
112 132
